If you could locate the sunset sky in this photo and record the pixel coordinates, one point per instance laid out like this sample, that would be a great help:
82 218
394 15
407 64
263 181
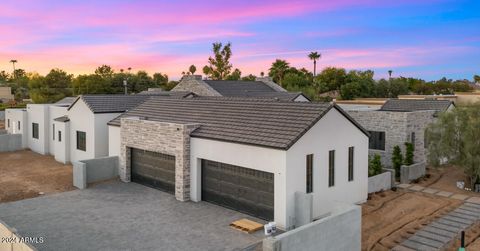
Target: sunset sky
419 38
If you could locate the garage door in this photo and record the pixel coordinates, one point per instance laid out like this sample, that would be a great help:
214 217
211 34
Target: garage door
153 169
239 188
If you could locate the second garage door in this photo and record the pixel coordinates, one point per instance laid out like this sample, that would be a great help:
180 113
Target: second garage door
153 169
243 189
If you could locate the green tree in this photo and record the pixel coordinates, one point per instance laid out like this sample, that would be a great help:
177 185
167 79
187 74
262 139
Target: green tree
250 77
454 138
476 79
192 69
235 75
397 160
219 65
375 165
51 88
314 56
360 84
409 153
278 70
105 71
330 79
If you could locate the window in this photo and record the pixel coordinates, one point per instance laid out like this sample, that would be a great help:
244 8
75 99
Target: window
350 163
81 141
59 136
8 123
53 131
331 168
35 130
412 138
18 125
309 173
377 140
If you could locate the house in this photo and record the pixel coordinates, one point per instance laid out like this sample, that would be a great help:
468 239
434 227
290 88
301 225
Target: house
262 87
249 155
399 121
34 123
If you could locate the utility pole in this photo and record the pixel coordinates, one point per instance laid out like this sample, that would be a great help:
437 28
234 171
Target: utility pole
13 61
125 81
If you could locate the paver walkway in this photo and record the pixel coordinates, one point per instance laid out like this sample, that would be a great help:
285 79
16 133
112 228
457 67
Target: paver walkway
442 231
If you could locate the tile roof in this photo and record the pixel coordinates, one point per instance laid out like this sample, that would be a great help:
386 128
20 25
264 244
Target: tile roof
410 105
266 123
115 103
66 101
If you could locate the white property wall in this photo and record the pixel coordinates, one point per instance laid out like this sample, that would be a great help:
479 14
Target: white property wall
15 116
258 158
38 113
81 119
55 111
114 140
332 132
101 135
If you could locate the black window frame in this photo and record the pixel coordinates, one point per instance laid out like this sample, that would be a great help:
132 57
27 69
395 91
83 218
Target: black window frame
59 136
376 140
351 160
35 130
8 123
18 125
331 168
53 131
309 173
81 142
412 138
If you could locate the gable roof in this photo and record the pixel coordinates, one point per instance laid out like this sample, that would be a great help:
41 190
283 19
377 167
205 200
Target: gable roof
410 105
66 101
248 121
116 103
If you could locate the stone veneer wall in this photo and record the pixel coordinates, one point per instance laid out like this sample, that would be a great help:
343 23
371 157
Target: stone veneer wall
162 137
398 127
195 84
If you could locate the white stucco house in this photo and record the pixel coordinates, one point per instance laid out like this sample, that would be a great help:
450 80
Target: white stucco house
249 155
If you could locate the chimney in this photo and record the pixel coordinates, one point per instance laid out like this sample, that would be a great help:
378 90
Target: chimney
269 81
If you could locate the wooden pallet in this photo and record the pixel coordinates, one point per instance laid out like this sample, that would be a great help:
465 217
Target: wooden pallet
247 226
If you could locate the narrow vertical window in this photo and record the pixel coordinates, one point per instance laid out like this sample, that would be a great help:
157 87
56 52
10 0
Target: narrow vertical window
81 141
8 123
350 162
309 173
35 130
18 123
412 138
59 136
53 131
331 168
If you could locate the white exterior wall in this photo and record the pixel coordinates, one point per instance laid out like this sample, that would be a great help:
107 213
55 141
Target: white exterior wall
101 136
81 119
54 112
258 158
114 140
38 113
332 132
301 98
62 147
15 116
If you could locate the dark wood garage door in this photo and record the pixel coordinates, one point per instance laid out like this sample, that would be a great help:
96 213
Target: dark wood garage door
153 169
239 188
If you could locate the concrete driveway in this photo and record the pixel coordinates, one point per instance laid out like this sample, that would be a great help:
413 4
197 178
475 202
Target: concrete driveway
125 216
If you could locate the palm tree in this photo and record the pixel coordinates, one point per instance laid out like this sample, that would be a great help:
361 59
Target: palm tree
192 69
278 70
390 73
13 61
314 56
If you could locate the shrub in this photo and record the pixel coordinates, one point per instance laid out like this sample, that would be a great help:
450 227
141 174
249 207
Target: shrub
397 160
375 165
409 148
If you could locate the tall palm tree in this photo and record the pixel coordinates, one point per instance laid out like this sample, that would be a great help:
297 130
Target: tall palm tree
390 73
13 61
314 56
278 70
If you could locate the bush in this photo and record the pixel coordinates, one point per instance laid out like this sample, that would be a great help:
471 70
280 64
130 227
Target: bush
375 165
409 153
397 160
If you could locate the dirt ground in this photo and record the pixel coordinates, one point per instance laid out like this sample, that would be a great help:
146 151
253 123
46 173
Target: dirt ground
390 217
2 124
25 174
445 178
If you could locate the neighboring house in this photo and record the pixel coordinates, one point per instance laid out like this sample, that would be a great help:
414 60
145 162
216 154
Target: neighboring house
6 94
399 121
262 87
249 155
